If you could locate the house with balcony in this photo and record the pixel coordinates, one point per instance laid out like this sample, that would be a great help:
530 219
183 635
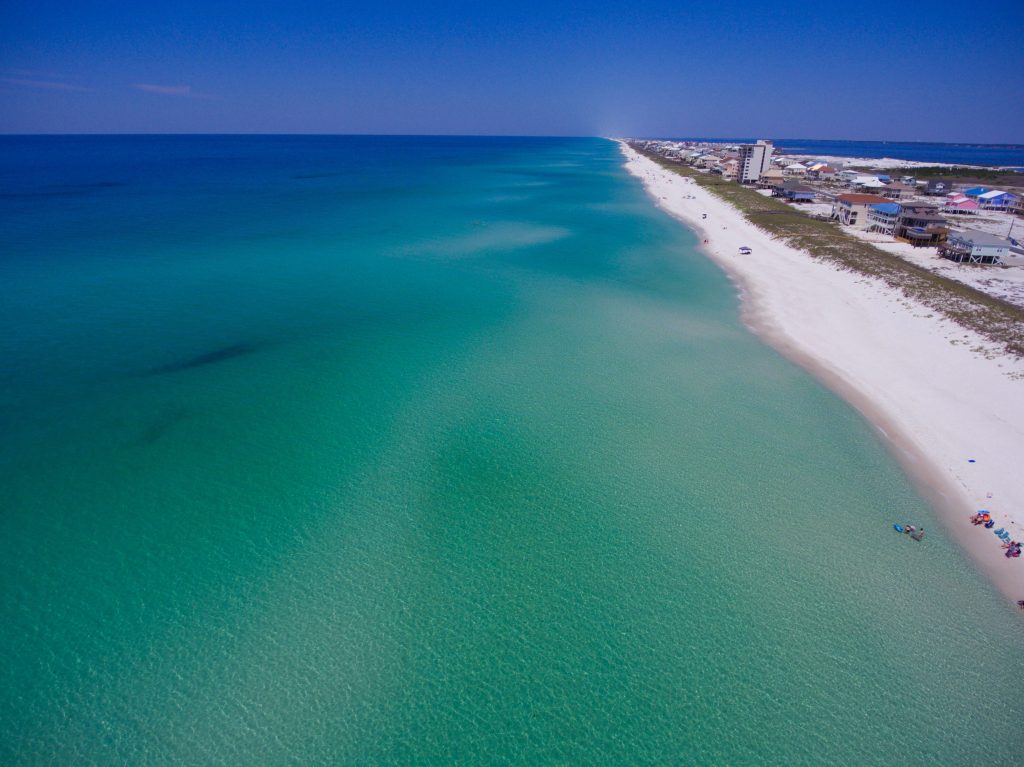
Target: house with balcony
896 190
996 200
821 172
883 217
852 209
974 247
937 187
726 167
960 205
921 226
792 190
770 178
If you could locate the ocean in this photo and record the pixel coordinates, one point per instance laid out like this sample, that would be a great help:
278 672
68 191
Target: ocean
432 451
1004 155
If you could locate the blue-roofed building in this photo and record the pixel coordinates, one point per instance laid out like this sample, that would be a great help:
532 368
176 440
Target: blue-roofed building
883 217
997 200
976 191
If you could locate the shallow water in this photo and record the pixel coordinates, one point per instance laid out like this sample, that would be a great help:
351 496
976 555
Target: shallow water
426 451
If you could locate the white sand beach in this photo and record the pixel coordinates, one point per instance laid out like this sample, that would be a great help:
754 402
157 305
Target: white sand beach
949 404
875 163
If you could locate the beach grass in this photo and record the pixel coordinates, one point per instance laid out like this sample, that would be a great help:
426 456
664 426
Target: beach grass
994 319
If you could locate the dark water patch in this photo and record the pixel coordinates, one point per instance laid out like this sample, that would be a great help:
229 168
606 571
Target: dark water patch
162 424
99 185
209 358
64 190
316 175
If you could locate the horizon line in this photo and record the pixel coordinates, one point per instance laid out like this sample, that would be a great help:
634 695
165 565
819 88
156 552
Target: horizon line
719 139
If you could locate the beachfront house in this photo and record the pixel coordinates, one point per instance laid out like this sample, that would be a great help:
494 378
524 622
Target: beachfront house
896 190
794 169
976 191
974 247
960 204
921 225
770 178
868 184
852 209
792 190
821 172
883 217
996 200
938 187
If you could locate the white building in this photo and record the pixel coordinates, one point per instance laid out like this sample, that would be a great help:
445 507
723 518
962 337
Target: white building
754 160
974 247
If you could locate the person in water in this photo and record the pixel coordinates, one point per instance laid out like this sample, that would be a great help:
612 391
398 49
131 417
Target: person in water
918 535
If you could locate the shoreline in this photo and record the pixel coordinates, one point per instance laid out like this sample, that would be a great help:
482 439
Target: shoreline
947 406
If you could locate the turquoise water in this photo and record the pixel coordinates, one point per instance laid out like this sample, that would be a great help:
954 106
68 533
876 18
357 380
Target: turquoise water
440 451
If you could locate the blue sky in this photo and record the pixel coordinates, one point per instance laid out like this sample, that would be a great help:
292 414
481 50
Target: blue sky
916 70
